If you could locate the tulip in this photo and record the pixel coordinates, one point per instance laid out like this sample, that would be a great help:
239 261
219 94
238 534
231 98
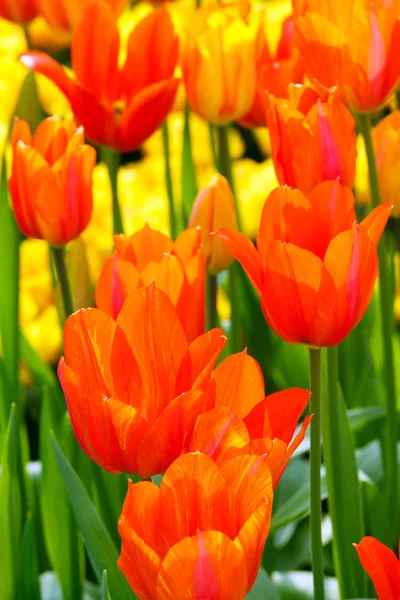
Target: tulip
51 180
314 267
352 45
213 208
201 533
119 107
382 565
274 73
244 421
219 49
312 138
176 267
19 11
134 387
66 14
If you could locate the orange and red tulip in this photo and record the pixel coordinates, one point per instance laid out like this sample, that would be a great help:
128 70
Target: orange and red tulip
218 49
314 267
382 565
65 14
177 268
19 11
312 138
244 421
213 208
51 180
201 533
352 45
135 386
118 106
274 73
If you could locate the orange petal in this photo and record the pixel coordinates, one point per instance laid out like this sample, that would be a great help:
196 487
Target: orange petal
158 344
252 537
144 246
191 308
117 280
206 565
375 222
382 565
21 132
168 275
240 384
245 252
335 203
47 66
187 244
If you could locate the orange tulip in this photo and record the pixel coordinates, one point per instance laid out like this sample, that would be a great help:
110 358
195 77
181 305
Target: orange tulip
314 266
19 11
65 14
213 208
218 49
245 422
118 106
382 565
51 180
352 45
134 387
312 138
201 533
176 267
274 73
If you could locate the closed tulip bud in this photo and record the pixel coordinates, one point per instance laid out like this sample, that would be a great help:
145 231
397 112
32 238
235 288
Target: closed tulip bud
201 533
382 565
312 138
51 180
386 141
19 11
213 208
219 48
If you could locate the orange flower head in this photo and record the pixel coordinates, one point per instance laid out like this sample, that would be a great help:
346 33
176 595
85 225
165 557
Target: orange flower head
213 208
134 387
19 11
177 268
119 106
218 62
244 421
66 14
51 180
275 71
352 45
312 138
382 565
314 267
386 141
201 533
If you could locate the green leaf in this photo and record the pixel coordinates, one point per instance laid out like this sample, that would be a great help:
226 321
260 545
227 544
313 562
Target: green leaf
42 374
62 539
10 512
100 547
29 563
376 519
370 461
28 106
105 594
263 588
298 585
188 173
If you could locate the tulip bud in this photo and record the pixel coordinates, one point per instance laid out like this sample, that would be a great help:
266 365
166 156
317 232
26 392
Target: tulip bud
51 180
19 11
213 208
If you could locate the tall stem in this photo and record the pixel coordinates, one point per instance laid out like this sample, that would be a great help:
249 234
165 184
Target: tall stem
168 181
212 313
387 319
225 165
315 475
112 160
62 275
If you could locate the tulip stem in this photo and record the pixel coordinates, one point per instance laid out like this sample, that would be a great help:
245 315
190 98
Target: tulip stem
212 312
387 320
315 475
398 99
112 160
168 181
62 275
225 165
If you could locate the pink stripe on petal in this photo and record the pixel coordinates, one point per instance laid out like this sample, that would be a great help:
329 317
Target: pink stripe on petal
353 280
116 289
205 582
329 151
217 441
377 54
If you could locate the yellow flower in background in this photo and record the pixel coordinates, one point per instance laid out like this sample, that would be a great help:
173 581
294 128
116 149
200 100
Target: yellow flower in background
397 280
361 186
42 35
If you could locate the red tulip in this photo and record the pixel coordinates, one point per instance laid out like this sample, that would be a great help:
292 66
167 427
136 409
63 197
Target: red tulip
382 565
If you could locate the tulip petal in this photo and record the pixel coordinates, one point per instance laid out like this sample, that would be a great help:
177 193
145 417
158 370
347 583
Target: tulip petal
382 565
191 308
187 244
252 537
245 252
143 246
47 66
168 275
375 222
117 280
207 565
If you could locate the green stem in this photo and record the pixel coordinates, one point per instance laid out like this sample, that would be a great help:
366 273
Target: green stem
62 275
112 160
225 165
234 335
212 312
168 181
315 475
213 146
387 319
398 99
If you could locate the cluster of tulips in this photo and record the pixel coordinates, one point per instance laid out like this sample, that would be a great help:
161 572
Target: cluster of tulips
152 384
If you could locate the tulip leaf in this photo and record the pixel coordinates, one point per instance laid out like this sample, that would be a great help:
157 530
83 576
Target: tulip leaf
298 585
188 173
29 570
61 535
42 374
10 512
263 588
101 550
105 594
